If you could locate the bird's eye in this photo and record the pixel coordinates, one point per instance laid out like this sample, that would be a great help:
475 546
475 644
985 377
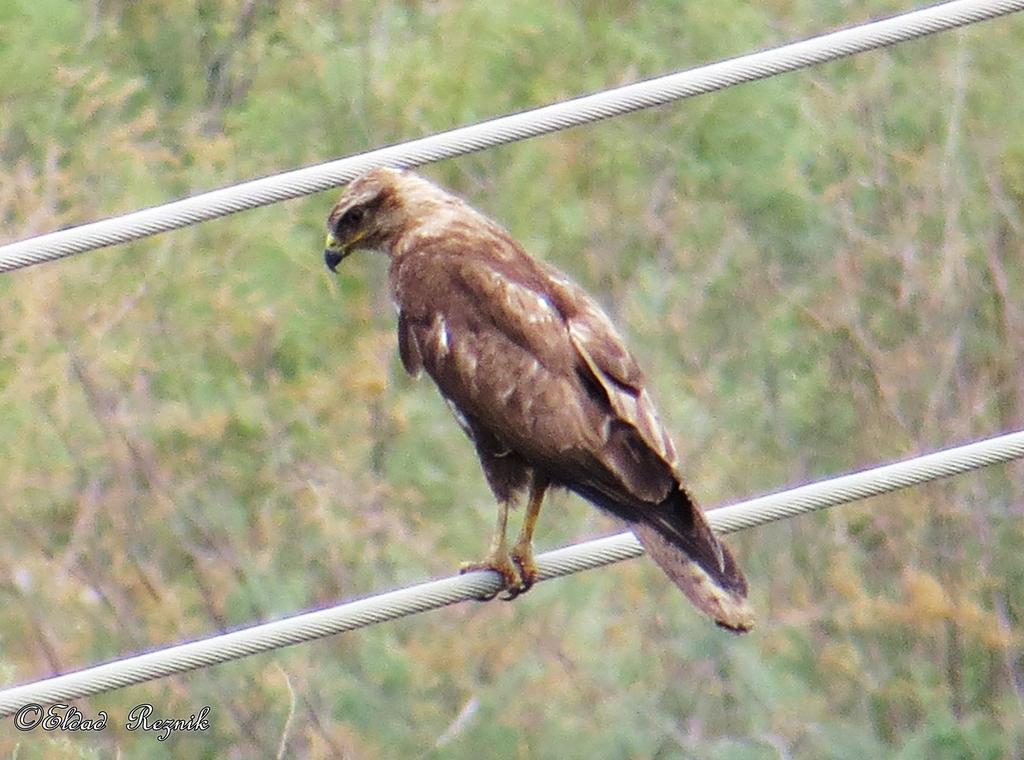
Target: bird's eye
353 216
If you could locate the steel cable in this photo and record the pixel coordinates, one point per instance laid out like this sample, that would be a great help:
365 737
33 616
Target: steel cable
506 129
432 595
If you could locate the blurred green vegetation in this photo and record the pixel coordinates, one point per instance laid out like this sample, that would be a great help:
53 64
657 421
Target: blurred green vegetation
205 429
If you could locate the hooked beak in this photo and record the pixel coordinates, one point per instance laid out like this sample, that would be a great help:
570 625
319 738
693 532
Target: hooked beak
334 252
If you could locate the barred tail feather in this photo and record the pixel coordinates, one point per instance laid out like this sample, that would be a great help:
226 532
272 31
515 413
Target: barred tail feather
678 538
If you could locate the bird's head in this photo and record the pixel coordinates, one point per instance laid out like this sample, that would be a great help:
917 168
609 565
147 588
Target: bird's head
374 210
360 217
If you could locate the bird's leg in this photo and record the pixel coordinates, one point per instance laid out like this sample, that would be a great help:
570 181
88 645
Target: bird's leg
522 550
498 558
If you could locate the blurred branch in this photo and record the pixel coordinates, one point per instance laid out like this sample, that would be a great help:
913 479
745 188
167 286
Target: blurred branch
224 86
282 746
872 359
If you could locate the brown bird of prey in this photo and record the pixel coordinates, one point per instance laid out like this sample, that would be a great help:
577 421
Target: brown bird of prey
537 377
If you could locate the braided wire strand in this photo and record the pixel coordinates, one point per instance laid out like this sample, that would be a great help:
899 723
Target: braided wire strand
503 130
432 595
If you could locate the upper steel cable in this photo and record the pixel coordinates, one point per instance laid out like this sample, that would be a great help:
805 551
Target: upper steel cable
506 129
310 626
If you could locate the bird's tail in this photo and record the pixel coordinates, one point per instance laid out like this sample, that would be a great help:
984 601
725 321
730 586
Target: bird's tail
677 536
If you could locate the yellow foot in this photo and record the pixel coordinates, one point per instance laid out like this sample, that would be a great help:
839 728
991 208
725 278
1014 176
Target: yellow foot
522 556
507 570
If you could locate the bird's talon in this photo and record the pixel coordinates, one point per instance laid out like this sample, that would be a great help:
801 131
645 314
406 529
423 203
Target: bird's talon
523 559
506 569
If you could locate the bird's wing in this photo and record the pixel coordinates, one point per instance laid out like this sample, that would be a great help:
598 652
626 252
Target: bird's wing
603 352
557 354
566 331
495 346
671 526
516 304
